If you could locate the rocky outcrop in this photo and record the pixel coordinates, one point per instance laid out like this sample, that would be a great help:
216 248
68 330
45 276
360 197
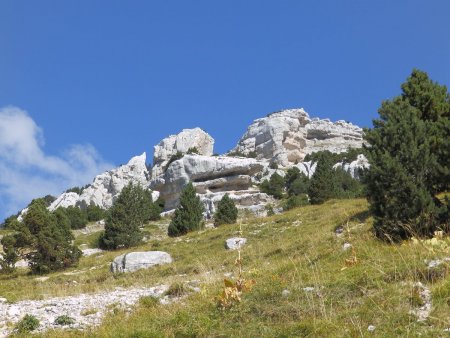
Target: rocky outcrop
182 142
354 168
106 186
212 176
235 243
134 261
286 137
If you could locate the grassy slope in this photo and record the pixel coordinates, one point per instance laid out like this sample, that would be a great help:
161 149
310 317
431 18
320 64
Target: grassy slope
294 250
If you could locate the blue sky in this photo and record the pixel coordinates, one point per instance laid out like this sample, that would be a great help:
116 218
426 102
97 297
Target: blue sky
94 83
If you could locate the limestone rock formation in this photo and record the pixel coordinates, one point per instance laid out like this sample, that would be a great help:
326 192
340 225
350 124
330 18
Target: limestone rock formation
106 186
182 142
286 137
212 176
134 261
354 167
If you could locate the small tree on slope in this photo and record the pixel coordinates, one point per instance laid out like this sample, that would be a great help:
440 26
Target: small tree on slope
226 211
189 214
321 186
127 214
409 160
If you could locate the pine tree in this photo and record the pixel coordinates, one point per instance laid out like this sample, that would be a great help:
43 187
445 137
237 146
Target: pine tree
226 211
321 186
42 240
274 186
408 153
188 215
296 182
127 214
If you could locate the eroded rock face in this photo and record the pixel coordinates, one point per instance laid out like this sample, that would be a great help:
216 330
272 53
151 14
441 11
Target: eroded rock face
354 168
107 186
212 176
286 137
182 142
134 261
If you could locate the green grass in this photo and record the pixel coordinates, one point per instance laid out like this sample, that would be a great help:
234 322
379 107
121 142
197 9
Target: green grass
290 251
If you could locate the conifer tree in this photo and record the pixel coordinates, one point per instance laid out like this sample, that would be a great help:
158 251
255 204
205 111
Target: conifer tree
188 215
226 211
321 186
274 186
408 151
127 214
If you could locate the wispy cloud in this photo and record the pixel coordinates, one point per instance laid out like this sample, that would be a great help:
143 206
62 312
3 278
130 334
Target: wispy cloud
27 172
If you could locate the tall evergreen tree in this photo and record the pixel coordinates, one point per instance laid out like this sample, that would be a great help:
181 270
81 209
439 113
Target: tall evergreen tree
189 214
226 211
321 187
408 153
127 214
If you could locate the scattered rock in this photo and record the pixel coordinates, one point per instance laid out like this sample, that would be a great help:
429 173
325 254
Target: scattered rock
422 312
85 309
90 252
42 279
235 243
285 293
134 261
371 328
346 246
308 289
436 262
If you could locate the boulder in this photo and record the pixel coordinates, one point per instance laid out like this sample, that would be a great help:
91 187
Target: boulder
235 243
209 174
134 261
182 142
286 137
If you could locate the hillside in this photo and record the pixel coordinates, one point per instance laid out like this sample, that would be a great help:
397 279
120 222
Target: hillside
306 283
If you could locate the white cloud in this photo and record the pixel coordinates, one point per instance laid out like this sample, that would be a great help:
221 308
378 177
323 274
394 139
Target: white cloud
26 172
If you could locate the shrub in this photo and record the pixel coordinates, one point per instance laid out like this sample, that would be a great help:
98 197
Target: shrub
274 186
295 201
43 241
296 182
174 158
27 324
273 165
409 162
95 213
226 211
78 218
193 150
321 187
64 320
127 214
345 186
188 215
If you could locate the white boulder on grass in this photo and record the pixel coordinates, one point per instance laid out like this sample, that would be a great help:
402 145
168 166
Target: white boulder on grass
235 243
134 261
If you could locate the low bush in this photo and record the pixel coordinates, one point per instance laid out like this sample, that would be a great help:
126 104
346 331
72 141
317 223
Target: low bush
27 324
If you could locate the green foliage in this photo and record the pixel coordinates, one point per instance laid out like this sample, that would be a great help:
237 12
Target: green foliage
345 186
43 241
296 182
295 201
274 186
127 214
27 324
189 214
237 153
174 158
153 209
408 152
95 213
322 185
348 156
8 222
78 218
64 320
273 165
226 211
9 256
193 150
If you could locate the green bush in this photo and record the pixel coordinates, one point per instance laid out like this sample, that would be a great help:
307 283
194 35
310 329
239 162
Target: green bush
43 240
296 182
174 158
27 324
295 201
408 151
274 186
226 211
127 214
189 214
64 320
193 150
321 186
95 213
78 218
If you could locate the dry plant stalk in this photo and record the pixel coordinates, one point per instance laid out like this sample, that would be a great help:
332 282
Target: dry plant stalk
232 292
